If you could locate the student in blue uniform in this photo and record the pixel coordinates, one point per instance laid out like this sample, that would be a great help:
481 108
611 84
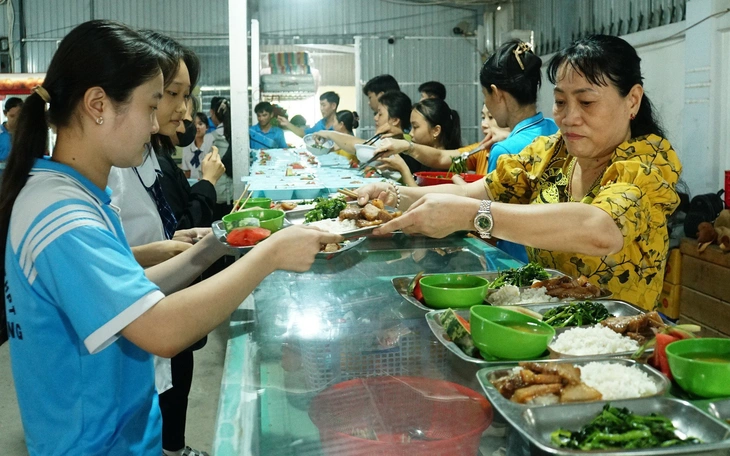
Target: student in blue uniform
11 111
84 317
328 103
264 135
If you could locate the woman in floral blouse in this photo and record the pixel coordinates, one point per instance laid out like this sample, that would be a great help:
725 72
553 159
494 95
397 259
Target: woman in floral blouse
592 199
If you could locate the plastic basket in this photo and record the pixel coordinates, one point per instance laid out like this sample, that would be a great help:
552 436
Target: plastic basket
389 416
361 351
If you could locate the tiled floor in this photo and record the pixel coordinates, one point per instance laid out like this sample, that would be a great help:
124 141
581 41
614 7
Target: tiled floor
202 408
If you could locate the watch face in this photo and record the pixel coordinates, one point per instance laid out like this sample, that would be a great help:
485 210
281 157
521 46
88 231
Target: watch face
484 222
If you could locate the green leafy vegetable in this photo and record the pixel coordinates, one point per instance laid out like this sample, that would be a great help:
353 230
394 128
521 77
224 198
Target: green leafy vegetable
458 165
619 428
325 208
576 314
521 277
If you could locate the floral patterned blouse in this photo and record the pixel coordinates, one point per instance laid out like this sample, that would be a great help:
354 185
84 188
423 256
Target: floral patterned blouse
637 190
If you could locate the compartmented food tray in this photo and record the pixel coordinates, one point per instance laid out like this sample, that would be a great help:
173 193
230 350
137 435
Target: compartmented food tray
720 409
505 406
537 423
433 318
401 285
219 231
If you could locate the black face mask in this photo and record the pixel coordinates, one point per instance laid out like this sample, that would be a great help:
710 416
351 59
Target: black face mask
187 138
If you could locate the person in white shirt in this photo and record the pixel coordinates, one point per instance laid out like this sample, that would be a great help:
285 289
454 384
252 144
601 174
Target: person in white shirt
193 154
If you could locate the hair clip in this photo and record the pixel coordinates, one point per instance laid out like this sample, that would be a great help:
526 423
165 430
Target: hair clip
519 50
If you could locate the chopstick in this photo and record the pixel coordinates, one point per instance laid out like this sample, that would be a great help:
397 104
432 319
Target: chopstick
244 203
373 139
348 192
238 202
375 157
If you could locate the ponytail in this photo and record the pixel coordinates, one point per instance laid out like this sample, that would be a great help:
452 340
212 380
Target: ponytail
452 135
29 143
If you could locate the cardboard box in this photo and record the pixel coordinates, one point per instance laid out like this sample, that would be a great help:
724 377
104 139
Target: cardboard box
669 300
673 270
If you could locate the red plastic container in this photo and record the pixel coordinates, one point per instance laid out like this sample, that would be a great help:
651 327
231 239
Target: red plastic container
407 415
425 178
727 189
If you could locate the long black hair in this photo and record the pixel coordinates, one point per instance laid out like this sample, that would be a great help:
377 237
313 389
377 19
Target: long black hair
349 118
604 60
171 53
97 53
399 107
515 69
438 112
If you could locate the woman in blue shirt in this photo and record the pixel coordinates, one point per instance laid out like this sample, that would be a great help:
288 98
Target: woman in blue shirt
510 81
83 316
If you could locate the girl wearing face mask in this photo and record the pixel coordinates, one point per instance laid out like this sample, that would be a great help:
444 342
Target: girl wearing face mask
194 153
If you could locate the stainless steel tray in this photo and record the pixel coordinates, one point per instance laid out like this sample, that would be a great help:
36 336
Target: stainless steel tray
505 406
220 233
401 285
432 318
720 409
537 423
438 331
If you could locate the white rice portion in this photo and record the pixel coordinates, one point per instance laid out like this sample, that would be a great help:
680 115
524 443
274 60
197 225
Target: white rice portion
335 226
596 340
617 381
509 295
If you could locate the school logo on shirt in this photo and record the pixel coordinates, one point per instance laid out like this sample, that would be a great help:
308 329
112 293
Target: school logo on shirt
14 330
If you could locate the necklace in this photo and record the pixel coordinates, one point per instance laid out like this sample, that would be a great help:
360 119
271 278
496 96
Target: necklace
569 187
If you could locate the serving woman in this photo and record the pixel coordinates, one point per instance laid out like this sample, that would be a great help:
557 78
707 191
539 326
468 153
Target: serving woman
592 199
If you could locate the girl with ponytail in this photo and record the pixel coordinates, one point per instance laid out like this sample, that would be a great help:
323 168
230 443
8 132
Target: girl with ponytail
84 318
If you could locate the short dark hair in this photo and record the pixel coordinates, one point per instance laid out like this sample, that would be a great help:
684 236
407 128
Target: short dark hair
515 69
12 102
433 89
331 97
381 84
298 121
202 117
399 107
604 60
264 106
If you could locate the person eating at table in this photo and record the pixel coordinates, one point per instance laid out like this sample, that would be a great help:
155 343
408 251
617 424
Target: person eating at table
328 103
510 80
391 118
442 159
591 200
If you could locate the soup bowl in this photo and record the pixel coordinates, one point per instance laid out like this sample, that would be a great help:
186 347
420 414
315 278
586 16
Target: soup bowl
504 333
271 219
443 291
701 366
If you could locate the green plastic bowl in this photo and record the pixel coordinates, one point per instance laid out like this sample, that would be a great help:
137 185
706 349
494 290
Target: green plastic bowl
443 291
494 335
263 203
271 219
703 378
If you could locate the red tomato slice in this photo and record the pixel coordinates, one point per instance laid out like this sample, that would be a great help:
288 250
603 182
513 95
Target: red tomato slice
244 237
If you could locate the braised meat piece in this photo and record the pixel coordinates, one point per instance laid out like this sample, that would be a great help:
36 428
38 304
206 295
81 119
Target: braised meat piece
528 393
579 393
568 372
508 384
333 247
362 223
531 378
378 203
370 212
350 213
638 327
567 287
384 216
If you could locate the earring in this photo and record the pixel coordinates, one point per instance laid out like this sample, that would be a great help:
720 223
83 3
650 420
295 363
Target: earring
632 116
100 120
